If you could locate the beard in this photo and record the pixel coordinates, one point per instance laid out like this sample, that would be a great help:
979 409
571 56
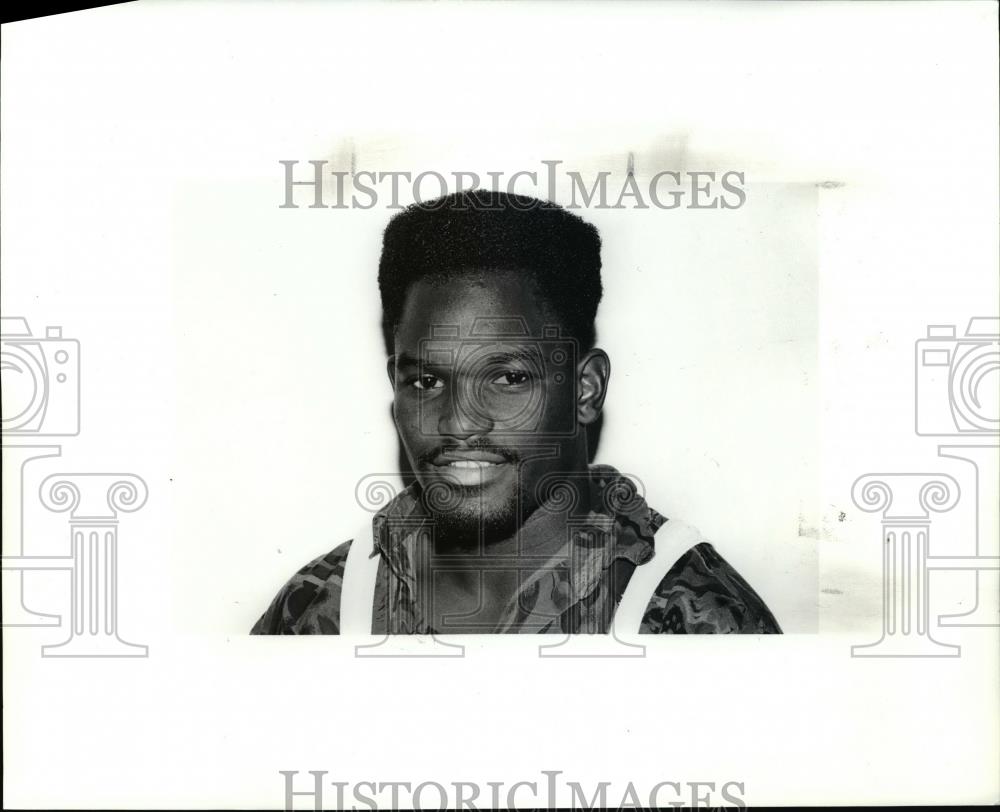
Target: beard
467 517
465 521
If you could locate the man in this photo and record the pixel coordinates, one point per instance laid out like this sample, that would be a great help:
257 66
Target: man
489 302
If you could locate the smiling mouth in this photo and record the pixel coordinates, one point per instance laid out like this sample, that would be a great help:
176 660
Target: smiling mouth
468 458
470 467
478 464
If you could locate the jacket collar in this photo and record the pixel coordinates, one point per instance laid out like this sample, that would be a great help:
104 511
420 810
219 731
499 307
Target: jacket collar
615 523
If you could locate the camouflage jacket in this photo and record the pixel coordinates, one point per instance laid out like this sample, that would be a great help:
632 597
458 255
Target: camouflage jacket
575 591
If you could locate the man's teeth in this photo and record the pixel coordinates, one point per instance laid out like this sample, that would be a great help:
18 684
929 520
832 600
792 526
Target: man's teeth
471 464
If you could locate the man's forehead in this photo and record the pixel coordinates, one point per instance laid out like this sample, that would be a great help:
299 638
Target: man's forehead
511 334
472 308
497 338
501 328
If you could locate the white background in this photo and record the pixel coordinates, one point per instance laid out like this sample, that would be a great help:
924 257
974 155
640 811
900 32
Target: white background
763 361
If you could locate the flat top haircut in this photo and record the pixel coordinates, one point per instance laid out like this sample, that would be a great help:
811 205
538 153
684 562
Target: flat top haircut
480 232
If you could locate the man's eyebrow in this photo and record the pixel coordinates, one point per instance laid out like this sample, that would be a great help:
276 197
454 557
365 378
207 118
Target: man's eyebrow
505 356
404 359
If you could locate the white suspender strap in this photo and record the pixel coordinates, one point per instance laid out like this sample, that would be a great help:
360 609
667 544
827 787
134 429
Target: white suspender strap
671 541
357 594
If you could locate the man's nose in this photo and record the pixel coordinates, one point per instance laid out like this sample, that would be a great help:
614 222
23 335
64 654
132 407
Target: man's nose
463 416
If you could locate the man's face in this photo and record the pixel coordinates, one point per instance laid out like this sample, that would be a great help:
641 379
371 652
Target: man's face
485 401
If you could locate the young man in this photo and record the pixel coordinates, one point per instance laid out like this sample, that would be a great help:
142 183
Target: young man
489 302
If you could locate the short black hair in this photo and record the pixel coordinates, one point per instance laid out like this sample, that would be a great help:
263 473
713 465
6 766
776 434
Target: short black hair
480 230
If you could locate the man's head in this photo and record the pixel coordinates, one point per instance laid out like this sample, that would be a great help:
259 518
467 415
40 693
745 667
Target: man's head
489 303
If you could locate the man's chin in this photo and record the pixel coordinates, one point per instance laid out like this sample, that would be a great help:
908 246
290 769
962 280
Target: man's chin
471 526
468 516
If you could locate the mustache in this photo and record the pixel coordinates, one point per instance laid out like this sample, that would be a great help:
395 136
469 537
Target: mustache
428 457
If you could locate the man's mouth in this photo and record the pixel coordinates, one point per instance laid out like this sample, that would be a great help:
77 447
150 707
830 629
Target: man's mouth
471 464
468 459
470 467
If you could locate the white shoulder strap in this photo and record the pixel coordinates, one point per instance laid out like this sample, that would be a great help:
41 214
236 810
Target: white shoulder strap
357 594
671 541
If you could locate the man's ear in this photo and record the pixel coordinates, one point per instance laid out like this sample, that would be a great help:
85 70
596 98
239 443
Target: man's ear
390 369
592 374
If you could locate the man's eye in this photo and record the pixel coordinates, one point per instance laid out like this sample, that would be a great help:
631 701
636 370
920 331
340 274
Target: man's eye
427 382
511 378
